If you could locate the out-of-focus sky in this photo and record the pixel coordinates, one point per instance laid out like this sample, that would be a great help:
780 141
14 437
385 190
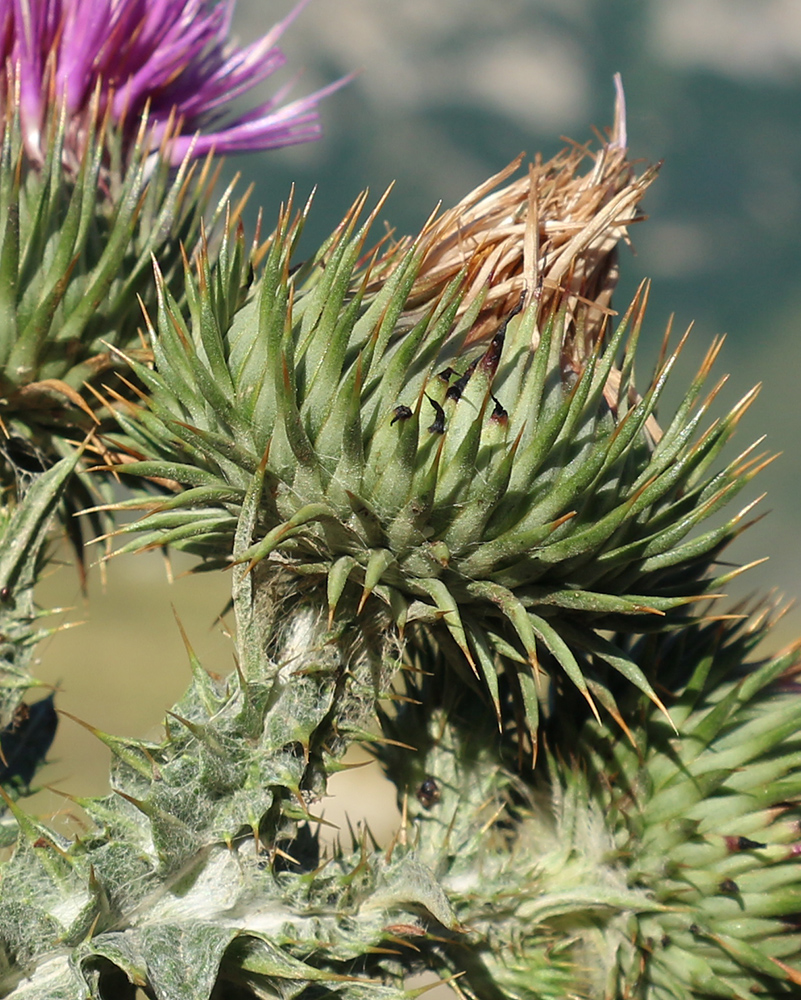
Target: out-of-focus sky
449 92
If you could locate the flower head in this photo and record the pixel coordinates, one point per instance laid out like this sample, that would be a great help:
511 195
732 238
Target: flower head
554 232
511 497
168 59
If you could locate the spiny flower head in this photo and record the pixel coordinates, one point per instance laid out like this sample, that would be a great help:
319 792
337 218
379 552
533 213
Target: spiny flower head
522 510
103 106
169 60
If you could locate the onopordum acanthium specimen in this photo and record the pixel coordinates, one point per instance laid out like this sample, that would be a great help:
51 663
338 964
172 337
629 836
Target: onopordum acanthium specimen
496 497
455 529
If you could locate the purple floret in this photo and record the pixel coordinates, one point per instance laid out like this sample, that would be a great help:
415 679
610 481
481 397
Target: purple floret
171 58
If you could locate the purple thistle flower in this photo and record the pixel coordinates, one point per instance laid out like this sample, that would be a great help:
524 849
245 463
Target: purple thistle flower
170 59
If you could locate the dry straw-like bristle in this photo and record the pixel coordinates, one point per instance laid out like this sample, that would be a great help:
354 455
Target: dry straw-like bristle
552 234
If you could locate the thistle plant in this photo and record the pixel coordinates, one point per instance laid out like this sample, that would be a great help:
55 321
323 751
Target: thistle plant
665 869
457 532
106 108
490 494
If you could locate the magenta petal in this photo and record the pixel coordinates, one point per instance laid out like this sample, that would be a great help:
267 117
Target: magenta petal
172 57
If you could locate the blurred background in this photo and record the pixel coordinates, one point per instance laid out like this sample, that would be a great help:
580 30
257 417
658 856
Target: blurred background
449 92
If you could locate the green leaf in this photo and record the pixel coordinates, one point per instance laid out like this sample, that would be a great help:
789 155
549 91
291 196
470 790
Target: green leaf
183 959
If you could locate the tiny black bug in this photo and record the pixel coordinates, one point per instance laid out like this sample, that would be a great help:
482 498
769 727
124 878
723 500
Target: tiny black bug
428 794
459 386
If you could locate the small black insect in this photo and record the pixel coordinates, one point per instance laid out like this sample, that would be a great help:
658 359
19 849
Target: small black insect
459 386
401 413
729 887
5 593
428 794
25 741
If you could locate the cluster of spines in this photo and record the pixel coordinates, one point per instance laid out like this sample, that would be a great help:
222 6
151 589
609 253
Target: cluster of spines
525 512
709 821
64 283
663 868
27 727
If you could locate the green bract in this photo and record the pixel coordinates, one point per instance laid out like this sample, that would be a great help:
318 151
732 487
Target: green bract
663 871
24 534
76 250
518 507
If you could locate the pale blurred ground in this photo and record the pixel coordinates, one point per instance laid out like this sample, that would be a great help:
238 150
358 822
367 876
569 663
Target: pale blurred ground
450 91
